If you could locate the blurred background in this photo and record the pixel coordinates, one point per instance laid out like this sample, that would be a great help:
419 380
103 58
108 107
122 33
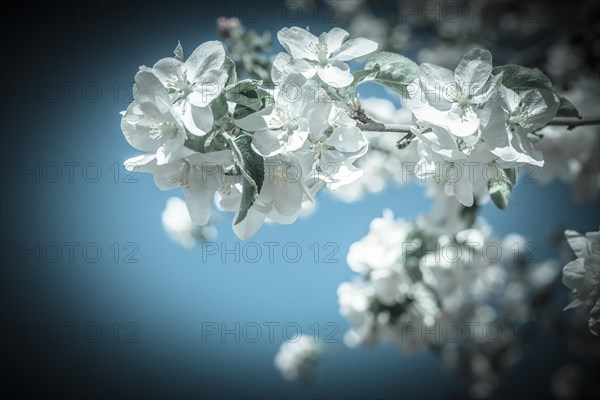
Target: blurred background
96 301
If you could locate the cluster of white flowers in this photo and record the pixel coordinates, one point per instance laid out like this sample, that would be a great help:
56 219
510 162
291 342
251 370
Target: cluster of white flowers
473 127
171 109
180 227
582 275
442 282
262 154
296 360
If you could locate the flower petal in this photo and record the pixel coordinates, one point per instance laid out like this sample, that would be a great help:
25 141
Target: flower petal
542 106
578 243
148 87
249 225
284 65
199 195
136 129
207 56
347 139
256 121
296 140
462 122
141 163
336 74
474 70
170 176
268 142
574 274
170 149
463 190
208 88
334 39
167 68
198 120
288 200
355 48
298 42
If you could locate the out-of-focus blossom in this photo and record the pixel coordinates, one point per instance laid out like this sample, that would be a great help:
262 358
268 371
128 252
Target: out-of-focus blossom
178 224
573 156
582 275
296 360
443 282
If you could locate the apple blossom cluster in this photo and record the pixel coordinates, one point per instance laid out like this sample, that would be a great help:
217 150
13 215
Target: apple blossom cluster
474 122
582 275
296 360
260 153
447 284
264 152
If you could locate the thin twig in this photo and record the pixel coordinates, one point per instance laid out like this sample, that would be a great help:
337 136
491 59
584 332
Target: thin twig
572 123
373 126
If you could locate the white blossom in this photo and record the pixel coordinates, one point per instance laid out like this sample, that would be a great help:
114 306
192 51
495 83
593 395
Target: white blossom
151 124
194 83
199 175
514 118
300 108
324 56
456 101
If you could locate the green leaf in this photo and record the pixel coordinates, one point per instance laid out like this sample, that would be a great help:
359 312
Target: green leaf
219 107
363 76
252 167
229 67
520 79
567 109
390 69
249 94
246 93
196 143
241 111
501 187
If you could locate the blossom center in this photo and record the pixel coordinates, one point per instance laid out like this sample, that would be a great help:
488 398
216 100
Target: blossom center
321 51
162 129
461 97
318 147
522 118
285 121
224 188
180 83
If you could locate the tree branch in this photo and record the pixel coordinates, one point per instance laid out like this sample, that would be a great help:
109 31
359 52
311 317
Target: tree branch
366 124
572 123
373 126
